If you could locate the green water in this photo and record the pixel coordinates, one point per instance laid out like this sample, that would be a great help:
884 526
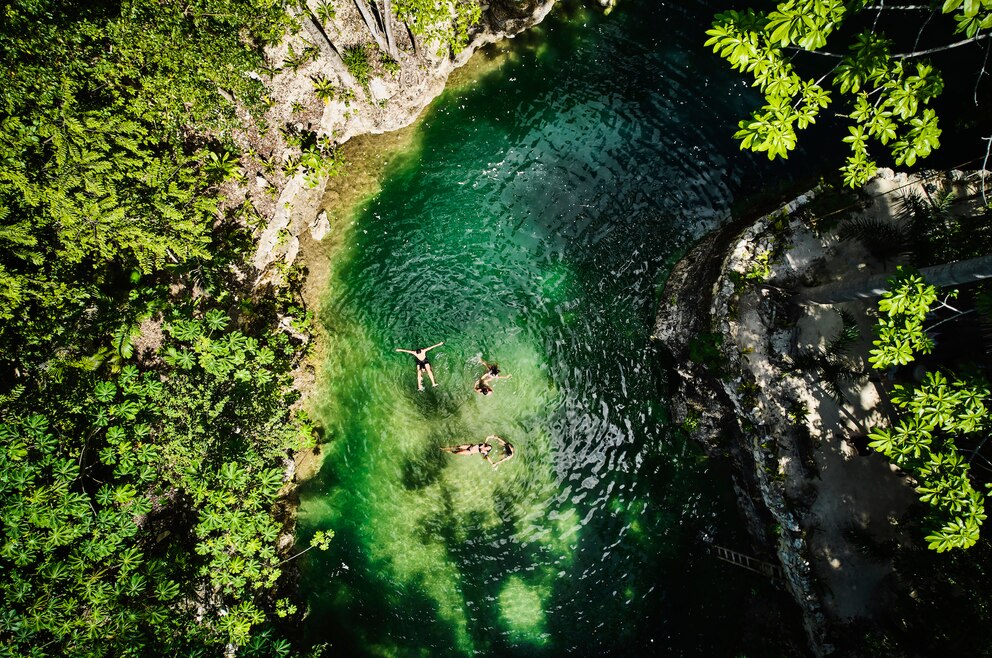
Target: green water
531 224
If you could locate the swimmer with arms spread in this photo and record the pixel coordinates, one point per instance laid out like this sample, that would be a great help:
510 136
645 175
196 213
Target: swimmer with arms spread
483 449
423 365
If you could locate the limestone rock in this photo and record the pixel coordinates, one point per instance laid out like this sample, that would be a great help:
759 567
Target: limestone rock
292 250
320 226
378 89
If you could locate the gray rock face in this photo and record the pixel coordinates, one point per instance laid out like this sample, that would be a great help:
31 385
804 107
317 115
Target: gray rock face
696 303
292 249
320 226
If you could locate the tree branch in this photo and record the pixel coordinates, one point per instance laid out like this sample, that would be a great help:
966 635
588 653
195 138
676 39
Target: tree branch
881 8
918 53
981 73
985 163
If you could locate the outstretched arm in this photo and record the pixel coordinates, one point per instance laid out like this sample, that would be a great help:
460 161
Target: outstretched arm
493 436
428 349
398 349
504 458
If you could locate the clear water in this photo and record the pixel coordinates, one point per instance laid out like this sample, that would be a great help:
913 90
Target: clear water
531 224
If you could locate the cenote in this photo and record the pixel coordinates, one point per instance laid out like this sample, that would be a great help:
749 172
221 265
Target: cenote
532 221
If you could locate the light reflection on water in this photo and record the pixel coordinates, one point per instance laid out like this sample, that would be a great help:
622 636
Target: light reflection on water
532 227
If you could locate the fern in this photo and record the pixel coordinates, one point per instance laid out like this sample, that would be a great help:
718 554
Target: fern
123 340
849 334
884 240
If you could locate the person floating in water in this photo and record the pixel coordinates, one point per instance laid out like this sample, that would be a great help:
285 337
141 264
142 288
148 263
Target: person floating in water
423 365
484 449
507 450
492 374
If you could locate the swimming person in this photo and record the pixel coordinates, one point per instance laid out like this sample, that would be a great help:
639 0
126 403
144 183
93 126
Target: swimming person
471 449
492 373
423 365
508 451
483 449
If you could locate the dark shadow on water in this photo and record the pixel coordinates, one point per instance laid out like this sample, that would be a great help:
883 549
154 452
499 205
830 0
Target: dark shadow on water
346 607
437 402
426 470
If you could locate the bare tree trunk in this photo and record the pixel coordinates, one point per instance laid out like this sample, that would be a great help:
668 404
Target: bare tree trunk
413 40
387 22
371 24
948 274
327 49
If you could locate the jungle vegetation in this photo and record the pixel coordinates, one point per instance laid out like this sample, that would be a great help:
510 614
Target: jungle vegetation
144 385
146 393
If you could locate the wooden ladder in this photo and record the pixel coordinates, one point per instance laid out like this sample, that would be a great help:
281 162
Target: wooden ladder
746 562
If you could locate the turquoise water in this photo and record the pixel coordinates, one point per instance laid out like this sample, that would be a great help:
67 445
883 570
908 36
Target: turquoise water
532 223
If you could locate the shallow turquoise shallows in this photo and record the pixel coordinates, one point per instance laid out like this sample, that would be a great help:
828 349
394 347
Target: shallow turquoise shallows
531 224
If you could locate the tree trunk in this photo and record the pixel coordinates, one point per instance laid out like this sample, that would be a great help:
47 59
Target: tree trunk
371 24
948 274
387 22
413 40
327 48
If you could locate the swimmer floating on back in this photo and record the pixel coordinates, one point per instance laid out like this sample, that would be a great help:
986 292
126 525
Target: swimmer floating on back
483 449
492 374
423 365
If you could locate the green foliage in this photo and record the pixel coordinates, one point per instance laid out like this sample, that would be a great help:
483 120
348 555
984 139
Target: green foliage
296 60
445 23
938 234
325 11
323 88
903 309
887 96
84 502
389 65
759 269
221 167
884 240
319 157
359 64
937 415
137 489
321 539
99 169
975 15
